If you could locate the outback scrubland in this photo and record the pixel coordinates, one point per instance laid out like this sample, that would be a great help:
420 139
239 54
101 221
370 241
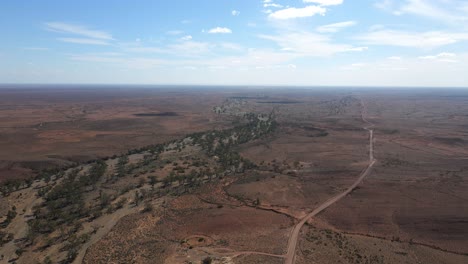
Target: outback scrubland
206 175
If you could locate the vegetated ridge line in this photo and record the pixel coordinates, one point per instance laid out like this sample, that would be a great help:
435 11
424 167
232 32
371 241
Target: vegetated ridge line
294 237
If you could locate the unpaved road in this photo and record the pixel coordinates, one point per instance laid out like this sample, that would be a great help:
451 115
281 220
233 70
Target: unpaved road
294 237
233 253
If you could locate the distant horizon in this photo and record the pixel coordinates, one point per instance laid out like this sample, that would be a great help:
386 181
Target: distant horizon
4 85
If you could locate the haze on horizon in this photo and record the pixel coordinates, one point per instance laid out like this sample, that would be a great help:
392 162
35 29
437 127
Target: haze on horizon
245 42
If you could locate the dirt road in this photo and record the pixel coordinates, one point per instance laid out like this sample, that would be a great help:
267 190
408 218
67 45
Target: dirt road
233 253
294 237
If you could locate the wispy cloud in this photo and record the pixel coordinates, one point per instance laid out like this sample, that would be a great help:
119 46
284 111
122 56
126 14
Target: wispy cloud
324 2
143 49
185 48
292 12
174 32
384 4
231 46
310 44
125 62
442 57
394 58
332 28
81 34
186 38
87 41
77 30
190 48
298 41
36 48
288 35
424 40
253 59
220 30
272 5
446 11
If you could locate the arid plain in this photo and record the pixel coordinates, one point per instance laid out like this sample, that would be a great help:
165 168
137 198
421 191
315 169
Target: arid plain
224 175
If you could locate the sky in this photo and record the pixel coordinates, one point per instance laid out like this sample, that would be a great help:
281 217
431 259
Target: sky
236 42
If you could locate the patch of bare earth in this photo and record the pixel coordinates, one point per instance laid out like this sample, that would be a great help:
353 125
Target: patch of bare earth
318 245
188 229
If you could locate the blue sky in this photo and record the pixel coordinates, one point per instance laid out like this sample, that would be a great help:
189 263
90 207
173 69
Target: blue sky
236 42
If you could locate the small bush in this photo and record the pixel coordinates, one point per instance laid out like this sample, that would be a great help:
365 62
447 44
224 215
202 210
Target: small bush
207 260
148 208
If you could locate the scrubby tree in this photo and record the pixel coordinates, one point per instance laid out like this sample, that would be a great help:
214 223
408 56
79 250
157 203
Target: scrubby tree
121 165
152 181
104 199
207 260
136 198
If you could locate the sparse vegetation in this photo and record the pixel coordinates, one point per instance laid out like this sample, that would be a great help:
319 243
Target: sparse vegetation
82 197
65 206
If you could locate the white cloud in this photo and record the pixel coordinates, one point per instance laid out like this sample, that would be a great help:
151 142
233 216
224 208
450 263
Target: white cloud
143 49
310 44
357 49
189 68
220 30
384 4
394 58
95 58
290 13
332 28
261 68
425 40
272 5
88 41
186 48
421 7
77 30
287 43
324 2
82 34
409 71
185 38
36 48
442 57
464 7
252 59
174 32
446 11
376 27
128 63
190 48
231 46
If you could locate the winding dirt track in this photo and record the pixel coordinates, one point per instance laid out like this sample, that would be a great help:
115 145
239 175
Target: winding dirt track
294 237
233 253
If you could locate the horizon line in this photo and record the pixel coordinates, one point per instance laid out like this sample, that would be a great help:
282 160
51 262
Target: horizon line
238 85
